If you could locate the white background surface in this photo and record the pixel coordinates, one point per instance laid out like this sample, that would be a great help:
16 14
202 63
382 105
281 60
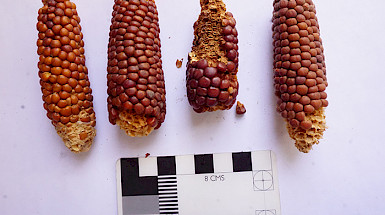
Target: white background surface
344 174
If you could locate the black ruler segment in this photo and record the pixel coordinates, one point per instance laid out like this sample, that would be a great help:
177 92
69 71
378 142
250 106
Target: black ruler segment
204 164
170 209
167 185
132 184
168 188
173 199
166 165
165 182
168 197
242 162
168 205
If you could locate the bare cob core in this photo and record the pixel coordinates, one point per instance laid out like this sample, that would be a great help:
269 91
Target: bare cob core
63 75
299 71
136 89
211 77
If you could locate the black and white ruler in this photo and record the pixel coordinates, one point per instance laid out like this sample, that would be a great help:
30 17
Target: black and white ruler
242 183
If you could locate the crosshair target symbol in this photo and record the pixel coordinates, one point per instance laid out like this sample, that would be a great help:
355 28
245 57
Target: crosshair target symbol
265 212
263 180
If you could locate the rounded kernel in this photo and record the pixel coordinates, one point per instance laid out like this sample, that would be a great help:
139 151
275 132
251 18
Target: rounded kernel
316 104
223 96
204 82
305 100
231 66
232 54
291 13
213 92
202 64
325 103
302 89
227 30
216 82
294 123
298 107
300 116
210 72
211 102
306 124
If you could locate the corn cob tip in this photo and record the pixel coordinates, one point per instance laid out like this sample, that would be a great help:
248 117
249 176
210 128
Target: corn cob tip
213 3
305 139
135 125
78 137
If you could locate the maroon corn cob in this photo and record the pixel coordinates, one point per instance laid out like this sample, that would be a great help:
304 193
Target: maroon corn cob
211 77
63 75
299 71
136 90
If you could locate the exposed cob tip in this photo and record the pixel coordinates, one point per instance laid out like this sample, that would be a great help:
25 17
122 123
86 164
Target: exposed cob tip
134 125
78 137
305 139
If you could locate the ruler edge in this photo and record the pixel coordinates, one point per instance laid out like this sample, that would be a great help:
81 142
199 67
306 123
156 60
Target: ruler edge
274 168
119 186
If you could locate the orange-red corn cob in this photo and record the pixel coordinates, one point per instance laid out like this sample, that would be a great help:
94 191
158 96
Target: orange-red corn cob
63 75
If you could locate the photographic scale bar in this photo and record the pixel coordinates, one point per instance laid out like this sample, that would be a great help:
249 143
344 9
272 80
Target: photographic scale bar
205 184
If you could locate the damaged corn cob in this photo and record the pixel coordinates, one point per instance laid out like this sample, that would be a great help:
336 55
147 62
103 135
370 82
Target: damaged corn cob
299 71
136 90
211 77
63 74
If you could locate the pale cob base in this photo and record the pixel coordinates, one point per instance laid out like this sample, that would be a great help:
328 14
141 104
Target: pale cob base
77 136
305 139
134 125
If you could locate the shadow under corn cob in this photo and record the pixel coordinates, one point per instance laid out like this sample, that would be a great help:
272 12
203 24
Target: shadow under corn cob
211 77
136 89
299 71
63 74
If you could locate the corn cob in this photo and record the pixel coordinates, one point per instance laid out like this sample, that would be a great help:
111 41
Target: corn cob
299 71
136 90
63 75
211 77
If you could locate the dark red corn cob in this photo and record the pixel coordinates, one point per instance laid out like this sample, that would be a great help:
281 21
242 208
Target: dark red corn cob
299 71
211 77
136 90
63 75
